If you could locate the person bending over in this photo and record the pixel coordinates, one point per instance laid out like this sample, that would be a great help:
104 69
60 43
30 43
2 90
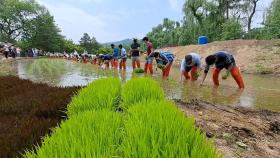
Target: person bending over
164 61
190 66
223 59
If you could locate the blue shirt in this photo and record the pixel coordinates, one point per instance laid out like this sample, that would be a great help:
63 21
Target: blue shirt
115 53
165 57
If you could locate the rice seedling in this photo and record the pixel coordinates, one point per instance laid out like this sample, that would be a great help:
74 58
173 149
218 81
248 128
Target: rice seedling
138 70
90 134
153 127
140 90
100 94
158 129
225 75
46 66
160 66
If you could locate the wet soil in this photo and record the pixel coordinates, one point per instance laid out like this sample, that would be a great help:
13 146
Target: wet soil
237 132
28 111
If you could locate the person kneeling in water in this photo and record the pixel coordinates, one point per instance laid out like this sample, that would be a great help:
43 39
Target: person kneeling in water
223 60
191 63
164 61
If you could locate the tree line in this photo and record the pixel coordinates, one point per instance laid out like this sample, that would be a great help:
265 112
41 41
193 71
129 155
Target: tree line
219 20
30 25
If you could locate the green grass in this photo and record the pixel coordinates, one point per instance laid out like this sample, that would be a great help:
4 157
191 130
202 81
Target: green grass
263 69
91 134
100 94
140 90
158 129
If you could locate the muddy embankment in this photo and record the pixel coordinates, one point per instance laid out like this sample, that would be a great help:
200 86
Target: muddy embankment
252 56
237 132
28 111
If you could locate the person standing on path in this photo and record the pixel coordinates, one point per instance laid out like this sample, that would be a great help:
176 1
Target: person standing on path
135 54
149 59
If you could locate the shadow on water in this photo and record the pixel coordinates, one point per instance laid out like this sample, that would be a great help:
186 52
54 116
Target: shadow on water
262 92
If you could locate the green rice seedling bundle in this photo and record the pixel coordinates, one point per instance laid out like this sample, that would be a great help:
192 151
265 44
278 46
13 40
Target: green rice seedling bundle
91 134
100 94
160 66
138 70
225 75
141 90
158 129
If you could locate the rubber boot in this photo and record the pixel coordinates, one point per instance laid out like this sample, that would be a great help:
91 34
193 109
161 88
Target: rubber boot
138 64
150 66
187 76
124 65
133 65
146 68
216 76
194 75
237 77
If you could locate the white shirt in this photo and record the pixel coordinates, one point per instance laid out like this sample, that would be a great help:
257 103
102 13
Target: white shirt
195 61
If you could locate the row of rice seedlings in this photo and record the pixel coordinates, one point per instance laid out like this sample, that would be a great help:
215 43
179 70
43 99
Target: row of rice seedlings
46 66
140 90
100 94
151 128
158 129
90 134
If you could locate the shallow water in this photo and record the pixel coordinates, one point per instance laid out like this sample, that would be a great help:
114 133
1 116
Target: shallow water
262 92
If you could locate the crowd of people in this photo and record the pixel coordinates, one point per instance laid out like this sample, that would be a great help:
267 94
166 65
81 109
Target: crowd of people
8 50
191 65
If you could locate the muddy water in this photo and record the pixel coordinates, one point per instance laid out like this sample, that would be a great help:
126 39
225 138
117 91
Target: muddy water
262 92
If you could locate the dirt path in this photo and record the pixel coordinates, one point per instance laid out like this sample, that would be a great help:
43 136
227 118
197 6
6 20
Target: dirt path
237 132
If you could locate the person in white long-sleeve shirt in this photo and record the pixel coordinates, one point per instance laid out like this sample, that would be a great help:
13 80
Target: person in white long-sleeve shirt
123 58
190 66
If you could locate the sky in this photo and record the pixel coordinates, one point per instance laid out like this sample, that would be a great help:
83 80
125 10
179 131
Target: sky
115 20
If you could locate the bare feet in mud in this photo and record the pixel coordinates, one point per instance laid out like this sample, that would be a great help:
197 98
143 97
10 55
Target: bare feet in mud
237 132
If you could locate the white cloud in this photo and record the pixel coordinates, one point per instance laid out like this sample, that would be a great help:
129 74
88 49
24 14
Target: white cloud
175 5
74 22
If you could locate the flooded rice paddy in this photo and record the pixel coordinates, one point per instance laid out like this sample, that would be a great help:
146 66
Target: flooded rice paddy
262 92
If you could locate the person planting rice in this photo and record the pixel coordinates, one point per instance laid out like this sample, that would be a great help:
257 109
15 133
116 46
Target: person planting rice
190 66
106 60
123 58
135 54
94 59
223 59
164 61
149 60
115 55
